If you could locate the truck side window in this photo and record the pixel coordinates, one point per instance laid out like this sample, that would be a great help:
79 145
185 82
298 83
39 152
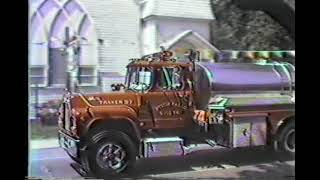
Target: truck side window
163 81
177 78
173 78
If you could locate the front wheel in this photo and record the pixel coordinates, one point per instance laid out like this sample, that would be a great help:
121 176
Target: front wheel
112 154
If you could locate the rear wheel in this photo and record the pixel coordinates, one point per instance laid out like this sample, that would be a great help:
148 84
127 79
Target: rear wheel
111 153
287 138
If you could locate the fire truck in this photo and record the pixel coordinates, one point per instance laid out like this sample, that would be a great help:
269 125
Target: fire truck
168 103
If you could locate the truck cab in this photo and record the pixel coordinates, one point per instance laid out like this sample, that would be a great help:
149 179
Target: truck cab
165 91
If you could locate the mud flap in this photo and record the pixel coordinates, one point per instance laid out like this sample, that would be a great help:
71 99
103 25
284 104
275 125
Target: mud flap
275 145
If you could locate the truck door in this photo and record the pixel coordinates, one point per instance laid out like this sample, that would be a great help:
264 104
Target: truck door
166 103
171 101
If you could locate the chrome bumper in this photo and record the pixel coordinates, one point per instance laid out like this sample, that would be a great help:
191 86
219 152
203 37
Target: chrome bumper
68 143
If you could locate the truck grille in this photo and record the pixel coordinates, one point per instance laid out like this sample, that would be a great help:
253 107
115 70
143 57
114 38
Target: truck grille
67 116
61 116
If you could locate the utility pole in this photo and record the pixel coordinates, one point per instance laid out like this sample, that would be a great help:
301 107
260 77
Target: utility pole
71 50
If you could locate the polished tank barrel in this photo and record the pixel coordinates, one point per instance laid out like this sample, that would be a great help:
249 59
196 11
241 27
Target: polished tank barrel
220 78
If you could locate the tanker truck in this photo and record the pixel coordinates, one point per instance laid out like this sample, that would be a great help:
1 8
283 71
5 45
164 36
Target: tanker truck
165 105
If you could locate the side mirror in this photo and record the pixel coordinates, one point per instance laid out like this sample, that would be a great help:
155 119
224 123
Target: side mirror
117 86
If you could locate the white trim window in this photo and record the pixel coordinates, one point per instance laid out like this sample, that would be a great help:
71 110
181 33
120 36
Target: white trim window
38 76
88 76
49 21
38 64
88 63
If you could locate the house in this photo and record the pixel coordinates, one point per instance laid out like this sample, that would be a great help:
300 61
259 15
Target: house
112 32
176 25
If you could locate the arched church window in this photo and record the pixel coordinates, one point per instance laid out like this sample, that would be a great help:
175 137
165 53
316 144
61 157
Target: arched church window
38 52
47 61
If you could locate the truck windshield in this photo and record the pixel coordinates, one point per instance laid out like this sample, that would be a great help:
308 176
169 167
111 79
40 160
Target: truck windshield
139 79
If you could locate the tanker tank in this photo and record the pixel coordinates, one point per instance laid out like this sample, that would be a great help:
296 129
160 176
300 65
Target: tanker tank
241 78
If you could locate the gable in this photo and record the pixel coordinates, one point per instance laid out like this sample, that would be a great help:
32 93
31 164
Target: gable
191 37
186 40
201 9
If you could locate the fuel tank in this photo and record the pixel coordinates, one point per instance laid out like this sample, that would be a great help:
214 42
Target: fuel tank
240 78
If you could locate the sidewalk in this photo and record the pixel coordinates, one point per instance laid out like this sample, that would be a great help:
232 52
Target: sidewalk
44 143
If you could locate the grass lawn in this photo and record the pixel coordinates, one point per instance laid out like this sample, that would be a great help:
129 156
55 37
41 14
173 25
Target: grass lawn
39 131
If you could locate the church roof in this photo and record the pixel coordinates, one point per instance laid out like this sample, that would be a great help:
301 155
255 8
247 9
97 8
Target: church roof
193 36
195 9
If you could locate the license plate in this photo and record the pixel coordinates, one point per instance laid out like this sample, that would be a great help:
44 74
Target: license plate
66 142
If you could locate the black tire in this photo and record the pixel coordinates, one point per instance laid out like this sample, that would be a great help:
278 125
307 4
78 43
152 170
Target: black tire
101 139
286 139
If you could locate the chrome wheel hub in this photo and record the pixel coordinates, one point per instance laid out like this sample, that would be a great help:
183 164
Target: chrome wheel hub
111 156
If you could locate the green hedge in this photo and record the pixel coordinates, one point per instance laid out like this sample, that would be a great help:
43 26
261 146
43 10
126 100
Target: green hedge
48 112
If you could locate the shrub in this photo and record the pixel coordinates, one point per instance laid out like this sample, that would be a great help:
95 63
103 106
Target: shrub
48 112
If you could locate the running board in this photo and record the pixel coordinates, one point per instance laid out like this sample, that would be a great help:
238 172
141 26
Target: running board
171 146
211 142
196 147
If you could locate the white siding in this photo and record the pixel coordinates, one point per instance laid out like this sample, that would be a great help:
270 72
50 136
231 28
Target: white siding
150 37
147 8
38 54
88 55
117 24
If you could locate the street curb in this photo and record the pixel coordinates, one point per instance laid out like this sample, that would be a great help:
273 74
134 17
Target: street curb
44 143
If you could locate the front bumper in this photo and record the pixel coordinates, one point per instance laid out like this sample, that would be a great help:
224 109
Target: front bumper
77 153
69 144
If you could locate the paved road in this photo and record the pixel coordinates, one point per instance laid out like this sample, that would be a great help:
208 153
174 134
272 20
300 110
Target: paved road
220 163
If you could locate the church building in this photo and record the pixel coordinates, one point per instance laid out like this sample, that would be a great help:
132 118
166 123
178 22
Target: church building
112 32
